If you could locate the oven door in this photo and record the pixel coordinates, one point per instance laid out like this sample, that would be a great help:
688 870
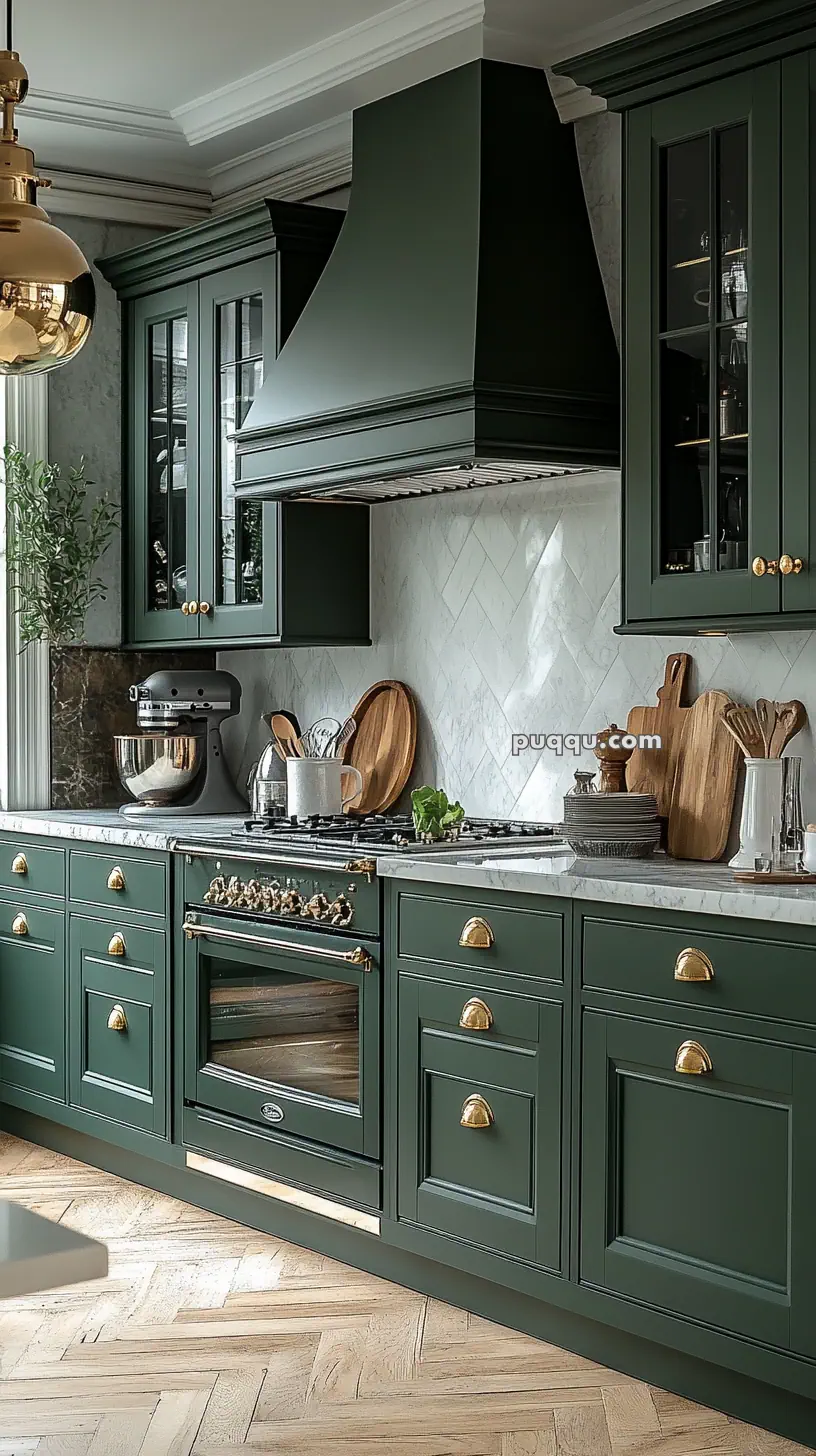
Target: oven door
282 1027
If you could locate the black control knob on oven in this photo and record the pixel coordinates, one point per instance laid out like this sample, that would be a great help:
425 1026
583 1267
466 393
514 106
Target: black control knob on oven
291 902
318 907
341 911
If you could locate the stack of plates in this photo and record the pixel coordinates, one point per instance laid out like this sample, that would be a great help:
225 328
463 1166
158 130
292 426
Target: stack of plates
624 825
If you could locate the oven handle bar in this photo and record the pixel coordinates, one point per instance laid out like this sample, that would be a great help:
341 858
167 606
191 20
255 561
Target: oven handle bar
367 867
357 957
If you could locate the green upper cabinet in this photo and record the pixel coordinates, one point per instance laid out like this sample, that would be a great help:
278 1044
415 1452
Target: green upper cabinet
204 310
719 486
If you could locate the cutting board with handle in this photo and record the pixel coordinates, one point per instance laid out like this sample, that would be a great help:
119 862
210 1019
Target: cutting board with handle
705 783
652 770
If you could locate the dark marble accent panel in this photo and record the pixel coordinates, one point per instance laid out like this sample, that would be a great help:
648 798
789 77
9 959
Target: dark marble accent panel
89 704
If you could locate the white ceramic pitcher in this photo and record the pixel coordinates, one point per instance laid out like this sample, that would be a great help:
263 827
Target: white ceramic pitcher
771 823
314 787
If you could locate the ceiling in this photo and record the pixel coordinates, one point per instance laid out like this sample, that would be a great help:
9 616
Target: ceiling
187 102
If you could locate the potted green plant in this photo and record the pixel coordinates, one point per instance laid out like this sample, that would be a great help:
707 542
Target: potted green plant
53 543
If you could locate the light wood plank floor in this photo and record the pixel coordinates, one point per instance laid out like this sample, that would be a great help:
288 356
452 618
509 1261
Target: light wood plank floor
208 1337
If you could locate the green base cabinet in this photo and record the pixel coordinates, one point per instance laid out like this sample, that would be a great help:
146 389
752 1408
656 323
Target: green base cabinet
118 1022
480 1118
719 317
204 310
32 998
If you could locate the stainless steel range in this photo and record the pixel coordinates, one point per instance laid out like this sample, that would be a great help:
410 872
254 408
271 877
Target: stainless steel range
281 994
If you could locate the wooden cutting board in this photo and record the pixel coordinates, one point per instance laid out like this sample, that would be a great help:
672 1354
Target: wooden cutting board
705 783
382 746
652 771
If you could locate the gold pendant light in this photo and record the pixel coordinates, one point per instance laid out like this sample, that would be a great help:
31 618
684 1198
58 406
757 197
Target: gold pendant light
47 294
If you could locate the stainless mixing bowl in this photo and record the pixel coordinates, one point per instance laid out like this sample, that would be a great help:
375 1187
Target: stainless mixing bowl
156 768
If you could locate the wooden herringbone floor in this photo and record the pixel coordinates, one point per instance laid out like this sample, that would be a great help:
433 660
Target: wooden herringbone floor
209 1337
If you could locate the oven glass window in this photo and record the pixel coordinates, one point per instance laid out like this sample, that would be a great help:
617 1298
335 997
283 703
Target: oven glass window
294 1031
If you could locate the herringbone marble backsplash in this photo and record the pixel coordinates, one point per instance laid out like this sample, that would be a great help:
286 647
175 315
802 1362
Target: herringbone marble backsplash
497 608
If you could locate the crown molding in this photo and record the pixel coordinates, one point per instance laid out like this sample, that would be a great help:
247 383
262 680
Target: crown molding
304 165
408 27
118 199
573 101
134 121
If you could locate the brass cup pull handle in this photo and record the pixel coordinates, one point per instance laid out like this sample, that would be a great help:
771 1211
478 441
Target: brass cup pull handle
760 566
19 865
116 945
693 965
117 1021
477 934
205 608
476 1112
476 1015
693 1059
116 878
788 564
19 925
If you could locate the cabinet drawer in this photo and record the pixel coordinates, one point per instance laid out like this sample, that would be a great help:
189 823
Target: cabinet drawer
525 942
118 880
672 1161
25 866
479 1123
759 976
118 1019
32 998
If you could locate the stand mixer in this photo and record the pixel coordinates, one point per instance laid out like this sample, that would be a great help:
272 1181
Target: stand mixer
182 771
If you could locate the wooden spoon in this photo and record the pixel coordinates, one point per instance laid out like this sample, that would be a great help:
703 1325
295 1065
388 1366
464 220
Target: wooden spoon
286 736
766 712
790 719
743 725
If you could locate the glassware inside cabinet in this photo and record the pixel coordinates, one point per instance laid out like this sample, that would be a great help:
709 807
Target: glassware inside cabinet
167 464
240 524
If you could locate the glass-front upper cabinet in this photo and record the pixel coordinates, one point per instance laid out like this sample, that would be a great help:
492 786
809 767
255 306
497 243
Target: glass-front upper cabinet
702 352
238 331
164 413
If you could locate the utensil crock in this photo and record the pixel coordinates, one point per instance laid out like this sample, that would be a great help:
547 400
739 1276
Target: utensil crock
314 786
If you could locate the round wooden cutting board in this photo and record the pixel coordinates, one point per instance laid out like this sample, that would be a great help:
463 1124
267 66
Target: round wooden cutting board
382 746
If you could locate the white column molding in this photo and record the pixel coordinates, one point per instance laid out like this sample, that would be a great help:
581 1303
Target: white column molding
25 760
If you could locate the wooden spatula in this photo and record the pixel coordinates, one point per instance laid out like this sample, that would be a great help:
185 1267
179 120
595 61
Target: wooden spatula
743 725
790 719
286 736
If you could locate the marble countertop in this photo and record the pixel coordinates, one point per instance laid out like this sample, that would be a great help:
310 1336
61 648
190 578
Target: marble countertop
36 1253
108 826
658 883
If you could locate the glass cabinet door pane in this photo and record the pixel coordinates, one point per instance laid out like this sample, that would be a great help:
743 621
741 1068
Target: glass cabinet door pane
240 525
687 233
291 1031
685 453
167 464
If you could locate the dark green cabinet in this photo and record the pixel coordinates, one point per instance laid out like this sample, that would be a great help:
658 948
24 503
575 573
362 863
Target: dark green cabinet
32 998
204 310
697 1174
719 318
479 1154
117 994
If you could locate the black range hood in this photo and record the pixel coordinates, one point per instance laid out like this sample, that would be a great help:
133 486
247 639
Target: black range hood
459 334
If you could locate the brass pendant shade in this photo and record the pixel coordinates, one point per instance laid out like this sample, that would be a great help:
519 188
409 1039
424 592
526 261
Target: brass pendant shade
47 293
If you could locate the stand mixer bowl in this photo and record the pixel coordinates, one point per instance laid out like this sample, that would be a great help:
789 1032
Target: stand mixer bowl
156 768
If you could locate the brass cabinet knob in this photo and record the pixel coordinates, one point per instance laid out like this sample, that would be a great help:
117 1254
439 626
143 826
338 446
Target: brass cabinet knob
192 609
476 1112
116 878
693 1059
693 965
116 945
117 1021
205 608
761 567
19 865
19 925
476 1015
477 934
185 608
788 564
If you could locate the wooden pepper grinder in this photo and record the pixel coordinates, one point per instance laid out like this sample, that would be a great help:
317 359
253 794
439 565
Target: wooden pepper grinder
612 761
